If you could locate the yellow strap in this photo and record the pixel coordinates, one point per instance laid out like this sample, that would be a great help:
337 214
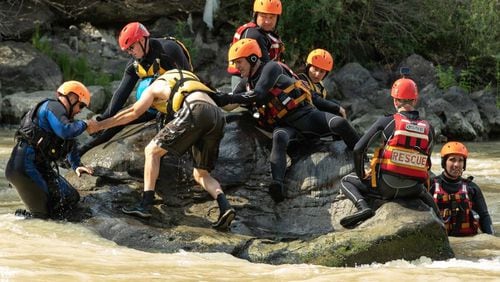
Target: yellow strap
373 166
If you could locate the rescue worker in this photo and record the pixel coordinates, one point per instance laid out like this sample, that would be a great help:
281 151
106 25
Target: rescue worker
319 63
198 125
150 57
262 28
46 135
399 168
284 105
460 200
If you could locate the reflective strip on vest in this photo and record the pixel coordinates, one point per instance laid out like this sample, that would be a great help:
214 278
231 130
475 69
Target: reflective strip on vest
406 152
470 225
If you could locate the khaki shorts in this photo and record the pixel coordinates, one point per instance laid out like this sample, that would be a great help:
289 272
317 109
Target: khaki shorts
199 127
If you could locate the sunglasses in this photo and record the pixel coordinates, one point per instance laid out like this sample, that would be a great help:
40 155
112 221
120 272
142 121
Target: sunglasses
82 105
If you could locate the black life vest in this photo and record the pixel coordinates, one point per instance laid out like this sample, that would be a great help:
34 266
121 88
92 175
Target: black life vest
47 144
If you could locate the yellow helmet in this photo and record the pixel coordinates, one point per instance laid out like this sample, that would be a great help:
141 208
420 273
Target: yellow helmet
267 6
73 86
245 48
321 59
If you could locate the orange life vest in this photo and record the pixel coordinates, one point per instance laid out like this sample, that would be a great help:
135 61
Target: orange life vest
456 210
283 100
406 153
274 50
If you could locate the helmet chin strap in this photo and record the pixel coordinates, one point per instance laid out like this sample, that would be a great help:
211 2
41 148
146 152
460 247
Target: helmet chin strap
71 105
143 47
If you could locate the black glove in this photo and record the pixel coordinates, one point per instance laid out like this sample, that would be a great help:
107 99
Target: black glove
221 99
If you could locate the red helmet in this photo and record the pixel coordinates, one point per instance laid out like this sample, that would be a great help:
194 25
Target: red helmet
404 89
132 33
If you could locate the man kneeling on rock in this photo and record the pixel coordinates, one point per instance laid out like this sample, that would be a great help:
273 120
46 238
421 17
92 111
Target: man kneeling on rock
399 168
198 124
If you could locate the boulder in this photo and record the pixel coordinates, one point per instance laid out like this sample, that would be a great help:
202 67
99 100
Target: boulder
23 68
302 229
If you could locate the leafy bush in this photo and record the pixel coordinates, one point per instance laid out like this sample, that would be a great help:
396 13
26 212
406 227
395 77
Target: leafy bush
72 68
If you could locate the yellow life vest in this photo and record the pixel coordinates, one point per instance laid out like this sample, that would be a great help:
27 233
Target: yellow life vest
182 83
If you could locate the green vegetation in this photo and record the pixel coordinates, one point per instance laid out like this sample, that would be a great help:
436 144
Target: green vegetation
72 68
462 34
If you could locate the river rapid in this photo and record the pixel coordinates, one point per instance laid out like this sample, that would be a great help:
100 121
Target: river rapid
36 250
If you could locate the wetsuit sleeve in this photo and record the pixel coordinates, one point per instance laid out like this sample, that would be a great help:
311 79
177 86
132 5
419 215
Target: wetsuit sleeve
325 105
268 78
479 206
363 143
74 158
121 94
172 56
262 40
61 125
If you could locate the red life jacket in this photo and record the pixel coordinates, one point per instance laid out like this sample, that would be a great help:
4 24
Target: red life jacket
283 100
275 49
456 210
406 153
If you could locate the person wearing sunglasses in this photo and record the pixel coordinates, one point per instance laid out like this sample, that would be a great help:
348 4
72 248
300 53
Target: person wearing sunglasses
150 58
47 135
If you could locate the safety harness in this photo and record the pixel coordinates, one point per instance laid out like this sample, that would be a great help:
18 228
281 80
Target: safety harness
182 83
155 70
283 101
406 152
276 47
456 209
315 87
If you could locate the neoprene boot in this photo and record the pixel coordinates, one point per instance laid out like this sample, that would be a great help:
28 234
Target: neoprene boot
143 209
364 212
277 191
226 214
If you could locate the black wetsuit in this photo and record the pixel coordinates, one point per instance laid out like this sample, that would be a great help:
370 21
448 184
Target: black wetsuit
171 56
475 195
319 100
305 119
354 186
31 168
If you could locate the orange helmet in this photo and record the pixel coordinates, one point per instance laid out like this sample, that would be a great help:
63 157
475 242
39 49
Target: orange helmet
453 148
73 86
404 89
132 33
267 6
245 48
321 59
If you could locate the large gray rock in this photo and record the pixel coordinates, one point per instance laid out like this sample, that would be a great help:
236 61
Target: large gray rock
23 68
302 229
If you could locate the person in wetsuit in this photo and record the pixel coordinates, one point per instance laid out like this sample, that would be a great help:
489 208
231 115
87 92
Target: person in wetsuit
319 63
284 105
399 168
47 135
151 57
460 201
262 28
198 125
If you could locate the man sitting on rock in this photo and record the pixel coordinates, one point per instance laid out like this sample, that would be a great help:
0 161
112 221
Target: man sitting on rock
399 168
198 124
